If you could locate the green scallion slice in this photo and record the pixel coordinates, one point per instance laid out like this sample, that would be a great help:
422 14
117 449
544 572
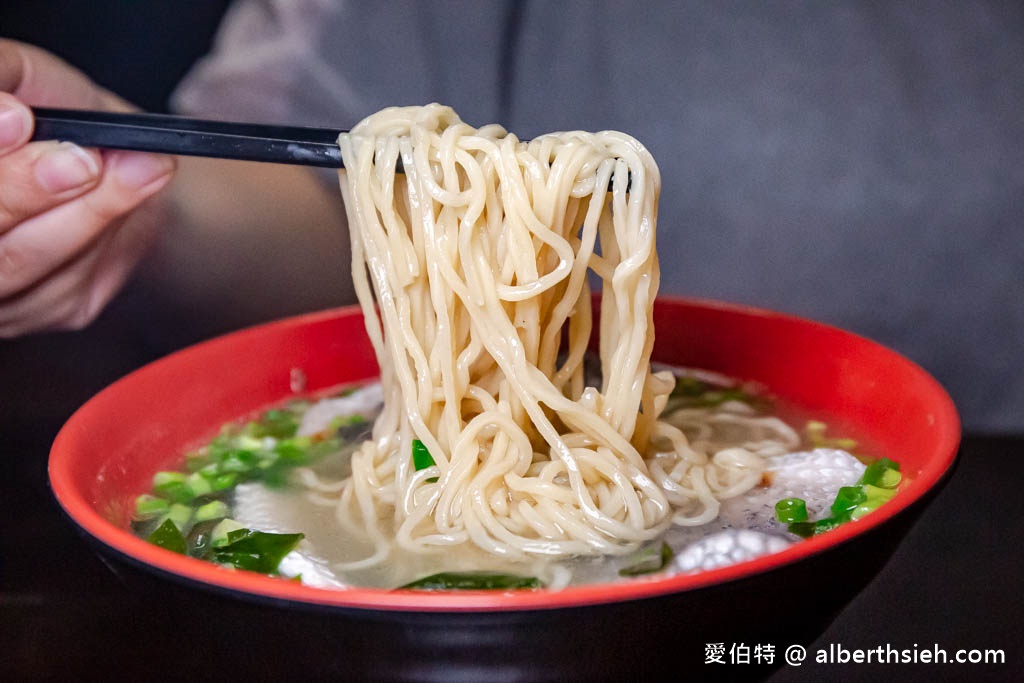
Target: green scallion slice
148 507
882 472
421 457
215 509
847 500
875 496
172 486
790 510
181 515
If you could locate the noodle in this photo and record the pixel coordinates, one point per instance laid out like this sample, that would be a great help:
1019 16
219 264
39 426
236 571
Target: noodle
472 272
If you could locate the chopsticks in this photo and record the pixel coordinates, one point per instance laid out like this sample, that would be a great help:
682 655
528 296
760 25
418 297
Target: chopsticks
190 137
194 137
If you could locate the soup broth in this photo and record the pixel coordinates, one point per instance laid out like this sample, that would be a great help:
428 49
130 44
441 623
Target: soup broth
277 479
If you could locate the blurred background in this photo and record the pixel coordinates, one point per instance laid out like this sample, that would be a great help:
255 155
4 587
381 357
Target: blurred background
146 50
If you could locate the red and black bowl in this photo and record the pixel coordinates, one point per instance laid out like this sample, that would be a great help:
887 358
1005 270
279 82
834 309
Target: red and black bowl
647 628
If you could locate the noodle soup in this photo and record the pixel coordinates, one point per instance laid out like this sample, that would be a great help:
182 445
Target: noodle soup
493 453
289 462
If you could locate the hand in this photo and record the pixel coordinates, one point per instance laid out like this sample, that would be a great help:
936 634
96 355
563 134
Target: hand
71 226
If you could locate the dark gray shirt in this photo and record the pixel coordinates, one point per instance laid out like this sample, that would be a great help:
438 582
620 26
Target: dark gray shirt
860 163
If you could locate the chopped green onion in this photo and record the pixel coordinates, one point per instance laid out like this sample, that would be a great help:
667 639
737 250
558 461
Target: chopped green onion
275 476
317 449
195 461
172 486
648 560
882 472
163 479
198 485
239 461
877 493
190 501
808 529
712 399
876 486
277 423
421 458
266 461
224 481
219 535
168 536
689 386
847 500
209 470
246 442
353 420
215 509
293 449
790 510
693 393
181 515
890 479
875 496
802 529
148 507
472 581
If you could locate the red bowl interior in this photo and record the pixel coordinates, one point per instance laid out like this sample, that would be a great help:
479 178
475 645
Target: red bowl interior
108 451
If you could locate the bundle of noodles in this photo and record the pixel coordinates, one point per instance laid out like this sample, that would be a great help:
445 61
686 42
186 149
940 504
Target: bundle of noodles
475 248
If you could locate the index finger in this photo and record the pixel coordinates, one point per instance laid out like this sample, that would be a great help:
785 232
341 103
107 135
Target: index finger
15 123
12 66
44 80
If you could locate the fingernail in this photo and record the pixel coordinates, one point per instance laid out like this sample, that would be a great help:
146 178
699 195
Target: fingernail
136 171
66 167
14 123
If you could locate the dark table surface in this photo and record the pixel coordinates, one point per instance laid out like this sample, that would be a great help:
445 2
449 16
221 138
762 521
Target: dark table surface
956 582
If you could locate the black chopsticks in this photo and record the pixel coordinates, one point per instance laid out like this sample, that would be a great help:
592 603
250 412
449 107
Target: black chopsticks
194 137
190 137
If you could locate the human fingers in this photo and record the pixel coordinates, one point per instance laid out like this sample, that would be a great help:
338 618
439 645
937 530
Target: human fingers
63 300
15 123
73 295
39 245
42 79
42 175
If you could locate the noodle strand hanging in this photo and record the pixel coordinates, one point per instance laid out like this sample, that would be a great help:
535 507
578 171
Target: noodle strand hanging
474 271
